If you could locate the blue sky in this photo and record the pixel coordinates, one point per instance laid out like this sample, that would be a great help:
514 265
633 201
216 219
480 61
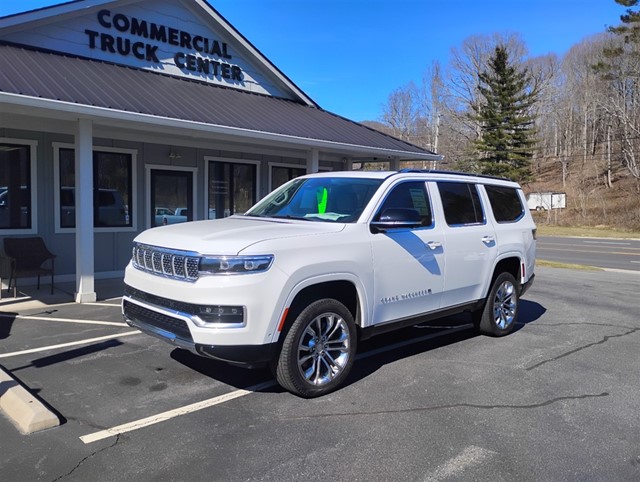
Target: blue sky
349 55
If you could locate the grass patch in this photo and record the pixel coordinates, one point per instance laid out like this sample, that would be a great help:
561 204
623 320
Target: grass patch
555 264
587 232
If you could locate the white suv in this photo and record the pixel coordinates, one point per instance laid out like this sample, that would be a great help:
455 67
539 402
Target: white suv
328 259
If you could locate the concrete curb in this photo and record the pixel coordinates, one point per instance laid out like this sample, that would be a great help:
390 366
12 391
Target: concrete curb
27 412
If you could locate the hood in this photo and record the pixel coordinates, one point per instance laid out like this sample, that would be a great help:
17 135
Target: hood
229 236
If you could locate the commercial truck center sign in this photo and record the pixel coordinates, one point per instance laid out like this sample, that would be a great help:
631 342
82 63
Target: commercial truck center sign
186 59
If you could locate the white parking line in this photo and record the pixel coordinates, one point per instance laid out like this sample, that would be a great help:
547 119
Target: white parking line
164 416
65 345
161 417
65 320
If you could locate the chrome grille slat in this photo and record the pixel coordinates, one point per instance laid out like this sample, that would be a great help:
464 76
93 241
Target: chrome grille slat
180 265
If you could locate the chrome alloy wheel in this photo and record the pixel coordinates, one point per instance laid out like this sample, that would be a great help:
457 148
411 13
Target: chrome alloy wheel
505 305
323 351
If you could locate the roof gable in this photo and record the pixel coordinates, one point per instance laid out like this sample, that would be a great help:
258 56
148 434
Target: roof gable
185 38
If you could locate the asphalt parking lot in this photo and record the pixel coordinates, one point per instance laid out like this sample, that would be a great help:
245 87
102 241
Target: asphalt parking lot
559 399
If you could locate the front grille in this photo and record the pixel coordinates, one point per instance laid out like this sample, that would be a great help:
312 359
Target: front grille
181 265
164 322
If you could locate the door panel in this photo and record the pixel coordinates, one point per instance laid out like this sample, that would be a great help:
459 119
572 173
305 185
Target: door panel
408 263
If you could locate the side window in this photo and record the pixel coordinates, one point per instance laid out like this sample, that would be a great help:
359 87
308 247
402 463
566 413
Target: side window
505 203
409 195
461 203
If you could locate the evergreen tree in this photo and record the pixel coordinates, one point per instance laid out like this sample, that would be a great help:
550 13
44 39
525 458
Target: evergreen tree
507 134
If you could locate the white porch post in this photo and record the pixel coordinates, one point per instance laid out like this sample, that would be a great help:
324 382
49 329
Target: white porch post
313 161
395 164
85 291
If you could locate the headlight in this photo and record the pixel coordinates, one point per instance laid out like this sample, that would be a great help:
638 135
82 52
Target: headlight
235 264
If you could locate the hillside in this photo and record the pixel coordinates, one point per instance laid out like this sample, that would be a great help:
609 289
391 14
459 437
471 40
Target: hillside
590 202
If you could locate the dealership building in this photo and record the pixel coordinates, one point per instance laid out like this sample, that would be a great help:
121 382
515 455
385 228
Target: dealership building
116 116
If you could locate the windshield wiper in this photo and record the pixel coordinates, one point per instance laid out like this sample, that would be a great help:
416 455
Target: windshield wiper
289 216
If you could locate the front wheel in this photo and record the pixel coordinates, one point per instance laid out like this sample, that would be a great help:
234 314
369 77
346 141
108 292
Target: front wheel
319 350
500 311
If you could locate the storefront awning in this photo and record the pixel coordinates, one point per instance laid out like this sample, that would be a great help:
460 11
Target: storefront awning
52 80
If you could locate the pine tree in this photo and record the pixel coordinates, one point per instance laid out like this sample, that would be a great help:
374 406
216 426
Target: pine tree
507 134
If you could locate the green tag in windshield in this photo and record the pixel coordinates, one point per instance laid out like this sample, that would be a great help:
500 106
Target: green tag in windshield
322 195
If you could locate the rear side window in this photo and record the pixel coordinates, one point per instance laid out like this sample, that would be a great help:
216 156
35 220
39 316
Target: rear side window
505 203
461 203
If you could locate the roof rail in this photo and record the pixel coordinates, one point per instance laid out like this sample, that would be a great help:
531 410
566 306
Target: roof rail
457 173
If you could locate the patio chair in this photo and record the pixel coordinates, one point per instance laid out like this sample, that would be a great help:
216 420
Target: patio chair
26 258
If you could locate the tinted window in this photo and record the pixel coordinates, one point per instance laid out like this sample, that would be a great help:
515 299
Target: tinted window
461 203
409 195
505 203
15 186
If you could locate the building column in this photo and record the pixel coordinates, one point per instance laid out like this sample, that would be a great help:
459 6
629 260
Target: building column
313 161
394 164
85 290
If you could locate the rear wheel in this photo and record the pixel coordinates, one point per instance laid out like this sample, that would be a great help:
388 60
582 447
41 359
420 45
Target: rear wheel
319 350
500 311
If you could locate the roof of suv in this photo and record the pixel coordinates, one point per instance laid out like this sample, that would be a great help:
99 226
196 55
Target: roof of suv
421 174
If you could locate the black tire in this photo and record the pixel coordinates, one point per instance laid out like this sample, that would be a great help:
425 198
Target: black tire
319 350
500 311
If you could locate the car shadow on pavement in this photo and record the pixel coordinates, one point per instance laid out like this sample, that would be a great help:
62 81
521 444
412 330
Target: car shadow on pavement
238 377
378 351
530 311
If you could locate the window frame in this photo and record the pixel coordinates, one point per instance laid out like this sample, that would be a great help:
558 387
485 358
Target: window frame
517 196
33 178
425 182
209 159
147 186
134 188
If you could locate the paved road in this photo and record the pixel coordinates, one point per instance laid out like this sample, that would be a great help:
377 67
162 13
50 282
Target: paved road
600 252
555 400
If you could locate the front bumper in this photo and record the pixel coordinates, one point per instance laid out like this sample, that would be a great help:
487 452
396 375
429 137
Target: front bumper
172 326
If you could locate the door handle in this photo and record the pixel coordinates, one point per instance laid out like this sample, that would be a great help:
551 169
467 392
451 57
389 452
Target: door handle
488 239
434 244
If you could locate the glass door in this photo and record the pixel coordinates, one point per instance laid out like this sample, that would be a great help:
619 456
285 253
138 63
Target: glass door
171 197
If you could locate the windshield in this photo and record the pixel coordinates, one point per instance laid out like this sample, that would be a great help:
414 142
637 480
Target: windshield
333 199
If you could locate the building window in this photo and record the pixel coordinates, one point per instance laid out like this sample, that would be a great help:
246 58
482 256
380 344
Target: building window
112 189
232 188
17 196
282 174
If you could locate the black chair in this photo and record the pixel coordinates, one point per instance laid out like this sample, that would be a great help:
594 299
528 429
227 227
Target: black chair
26 258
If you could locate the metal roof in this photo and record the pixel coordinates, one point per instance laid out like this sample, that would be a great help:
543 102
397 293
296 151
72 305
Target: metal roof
40 74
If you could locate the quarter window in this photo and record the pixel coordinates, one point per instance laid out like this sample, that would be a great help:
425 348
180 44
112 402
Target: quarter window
461 203
505 203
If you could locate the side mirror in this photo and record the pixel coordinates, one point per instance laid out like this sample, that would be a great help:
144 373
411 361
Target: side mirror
395 218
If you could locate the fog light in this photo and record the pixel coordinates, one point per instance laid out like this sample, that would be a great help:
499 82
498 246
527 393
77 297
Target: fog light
215 314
